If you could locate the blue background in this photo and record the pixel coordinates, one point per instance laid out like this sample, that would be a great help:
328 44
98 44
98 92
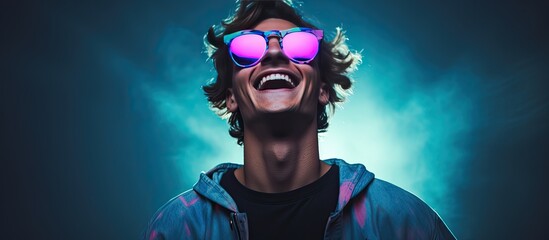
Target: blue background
103 119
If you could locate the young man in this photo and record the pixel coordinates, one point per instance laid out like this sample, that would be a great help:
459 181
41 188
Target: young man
276 75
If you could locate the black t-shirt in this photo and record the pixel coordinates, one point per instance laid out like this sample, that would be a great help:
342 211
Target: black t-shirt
298 214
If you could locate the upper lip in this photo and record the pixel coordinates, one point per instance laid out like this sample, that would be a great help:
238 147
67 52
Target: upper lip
293 77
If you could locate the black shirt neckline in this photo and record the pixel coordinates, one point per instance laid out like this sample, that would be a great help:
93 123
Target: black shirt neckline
283 197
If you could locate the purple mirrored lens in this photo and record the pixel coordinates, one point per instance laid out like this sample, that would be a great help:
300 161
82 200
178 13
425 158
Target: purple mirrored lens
300 46
247 49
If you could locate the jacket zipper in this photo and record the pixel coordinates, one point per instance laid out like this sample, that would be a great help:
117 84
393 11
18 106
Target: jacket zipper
235 223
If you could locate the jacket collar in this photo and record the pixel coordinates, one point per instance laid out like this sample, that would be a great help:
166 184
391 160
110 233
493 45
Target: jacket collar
209 187
353 178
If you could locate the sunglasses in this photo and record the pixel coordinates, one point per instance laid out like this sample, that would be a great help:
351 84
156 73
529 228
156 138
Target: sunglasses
248 47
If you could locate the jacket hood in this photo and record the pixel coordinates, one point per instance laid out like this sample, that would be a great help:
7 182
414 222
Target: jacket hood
353 179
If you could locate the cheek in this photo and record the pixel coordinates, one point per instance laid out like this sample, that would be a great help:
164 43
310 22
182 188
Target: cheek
239 79
240 83
241 75
313 81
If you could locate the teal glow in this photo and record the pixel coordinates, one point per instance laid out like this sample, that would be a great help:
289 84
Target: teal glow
402 128
104 118
422 99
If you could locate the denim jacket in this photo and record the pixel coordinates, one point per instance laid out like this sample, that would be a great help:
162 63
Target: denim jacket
367 208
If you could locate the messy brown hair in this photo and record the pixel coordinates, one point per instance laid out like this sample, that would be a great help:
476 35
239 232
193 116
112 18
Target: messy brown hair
335 59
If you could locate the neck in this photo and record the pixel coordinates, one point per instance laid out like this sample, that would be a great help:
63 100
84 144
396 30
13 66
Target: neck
280 164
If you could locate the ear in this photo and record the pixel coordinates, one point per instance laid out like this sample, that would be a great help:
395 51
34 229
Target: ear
324 95
230 101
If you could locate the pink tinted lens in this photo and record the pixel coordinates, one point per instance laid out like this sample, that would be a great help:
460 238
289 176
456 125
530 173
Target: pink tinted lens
300 46
247 49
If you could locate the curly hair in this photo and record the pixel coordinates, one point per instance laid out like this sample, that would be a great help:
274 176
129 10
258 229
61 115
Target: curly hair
336 61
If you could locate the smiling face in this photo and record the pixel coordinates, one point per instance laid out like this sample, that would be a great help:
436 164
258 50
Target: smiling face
276 84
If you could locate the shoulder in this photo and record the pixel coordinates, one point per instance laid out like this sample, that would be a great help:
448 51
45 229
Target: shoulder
398 213
195 212
393 198
181 205
178 217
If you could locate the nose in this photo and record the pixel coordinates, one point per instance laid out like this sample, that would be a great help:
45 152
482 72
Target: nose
274 54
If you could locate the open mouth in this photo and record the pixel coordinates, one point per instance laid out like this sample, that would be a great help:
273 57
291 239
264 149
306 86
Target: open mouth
275 81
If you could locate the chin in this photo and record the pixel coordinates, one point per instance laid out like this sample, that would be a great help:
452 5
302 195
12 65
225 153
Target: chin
279 108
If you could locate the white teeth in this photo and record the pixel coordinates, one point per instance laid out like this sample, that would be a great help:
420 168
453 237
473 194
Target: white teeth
275 76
